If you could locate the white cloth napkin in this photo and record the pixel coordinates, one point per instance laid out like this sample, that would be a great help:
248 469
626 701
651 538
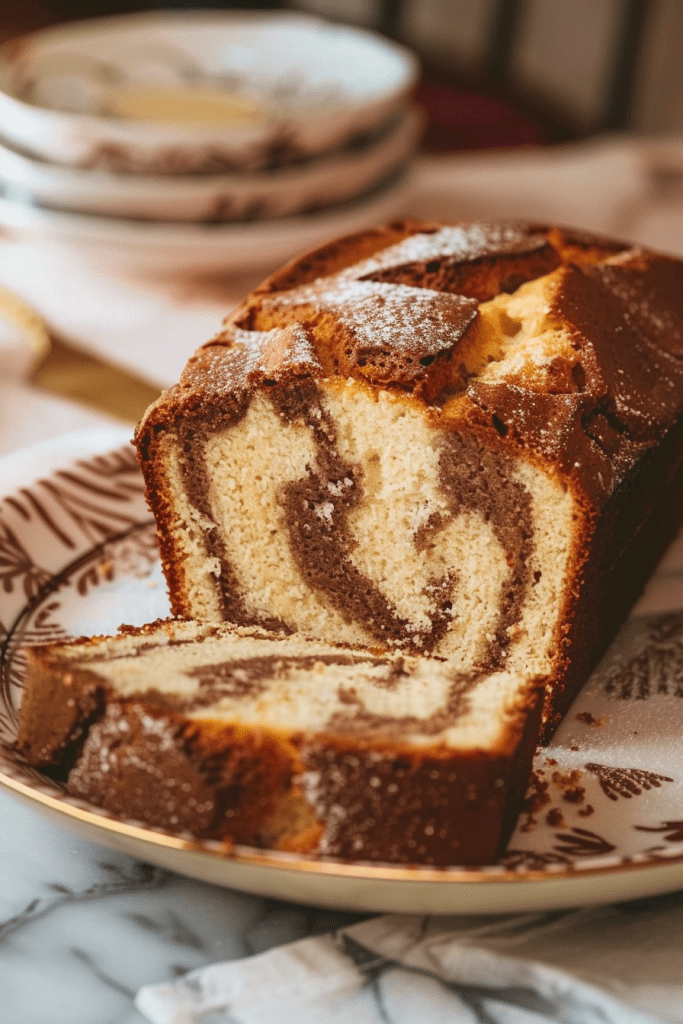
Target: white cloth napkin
609 965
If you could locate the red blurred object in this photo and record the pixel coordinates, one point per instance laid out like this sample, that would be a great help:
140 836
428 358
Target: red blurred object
464 119
460 115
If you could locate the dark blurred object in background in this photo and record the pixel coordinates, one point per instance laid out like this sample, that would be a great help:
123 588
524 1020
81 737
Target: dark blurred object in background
461 119
497 73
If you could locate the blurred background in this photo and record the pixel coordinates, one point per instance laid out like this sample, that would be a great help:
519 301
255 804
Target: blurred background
564 111
495 72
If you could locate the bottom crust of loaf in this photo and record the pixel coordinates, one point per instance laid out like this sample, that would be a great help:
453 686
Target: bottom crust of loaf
383 789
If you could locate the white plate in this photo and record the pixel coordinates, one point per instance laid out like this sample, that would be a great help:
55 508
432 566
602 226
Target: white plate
158 247
256 195
78 556
297 86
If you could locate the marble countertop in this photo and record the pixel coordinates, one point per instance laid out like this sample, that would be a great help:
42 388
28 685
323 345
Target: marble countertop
82 927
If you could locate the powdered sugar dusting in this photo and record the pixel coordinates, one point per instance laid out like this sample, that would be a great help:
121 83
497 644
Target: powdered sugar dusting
293 346
390 317
647 311
462 244
400 318
253 345
404 320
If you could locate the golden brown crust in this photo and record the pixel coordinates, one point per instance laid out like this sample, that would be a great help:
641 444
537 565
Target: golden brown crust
602 408
48 740
333 256
414 314
361 794
622 546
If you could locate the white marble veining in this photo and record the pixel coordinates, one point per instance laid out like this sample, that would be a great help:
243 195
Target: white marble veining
82 927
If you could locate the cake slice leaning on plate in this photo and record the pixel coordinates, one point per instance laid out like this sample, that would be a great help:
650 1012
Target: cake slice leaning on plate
458 441
235 733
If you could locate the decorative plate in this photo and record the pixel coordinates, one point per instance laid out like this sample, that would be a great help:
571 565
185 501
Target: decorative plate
238 196
198 91
131 247
604 816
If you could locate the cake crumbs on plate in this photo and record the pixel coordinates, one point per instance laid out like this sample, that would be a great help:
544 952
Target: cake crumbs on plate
589 719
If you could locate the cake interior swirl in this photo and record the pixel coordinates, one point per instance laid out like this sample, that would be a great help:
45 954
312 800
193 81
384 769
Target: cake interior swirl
261 738
456 448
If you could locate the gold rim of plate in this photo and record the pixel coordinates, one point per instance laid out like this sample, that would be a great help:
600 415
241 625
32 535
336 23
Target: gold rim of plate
278 860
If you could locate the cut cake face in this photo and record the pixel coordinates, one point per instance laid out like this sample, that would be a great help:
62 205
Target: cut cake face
427 438
231 732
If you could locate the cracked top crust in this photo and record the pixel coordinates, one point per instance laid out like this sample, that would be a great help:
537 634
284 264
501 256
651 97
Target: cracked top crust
566 344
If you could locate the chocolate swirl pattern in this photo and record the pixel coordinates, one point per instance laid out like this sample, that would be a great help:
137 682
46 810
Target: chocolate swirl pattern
235 732
321 552
428 438
641 827
451 442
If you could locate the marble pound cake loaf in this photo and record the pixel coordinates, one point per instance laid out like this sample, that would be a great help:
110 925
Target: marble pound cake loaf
234 733
456 441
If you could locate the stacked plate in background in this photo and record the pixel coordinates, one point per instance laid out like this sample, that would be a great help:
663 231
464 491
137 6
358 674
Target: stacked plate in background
203 140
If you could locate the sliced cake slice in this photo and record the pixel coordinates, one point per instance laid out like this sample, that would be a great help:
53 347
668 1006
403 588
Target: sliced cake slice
261 738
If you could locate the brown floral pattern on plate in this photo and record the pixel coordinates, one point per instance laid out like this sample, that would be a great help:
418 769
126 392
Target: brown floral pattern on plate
78 556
